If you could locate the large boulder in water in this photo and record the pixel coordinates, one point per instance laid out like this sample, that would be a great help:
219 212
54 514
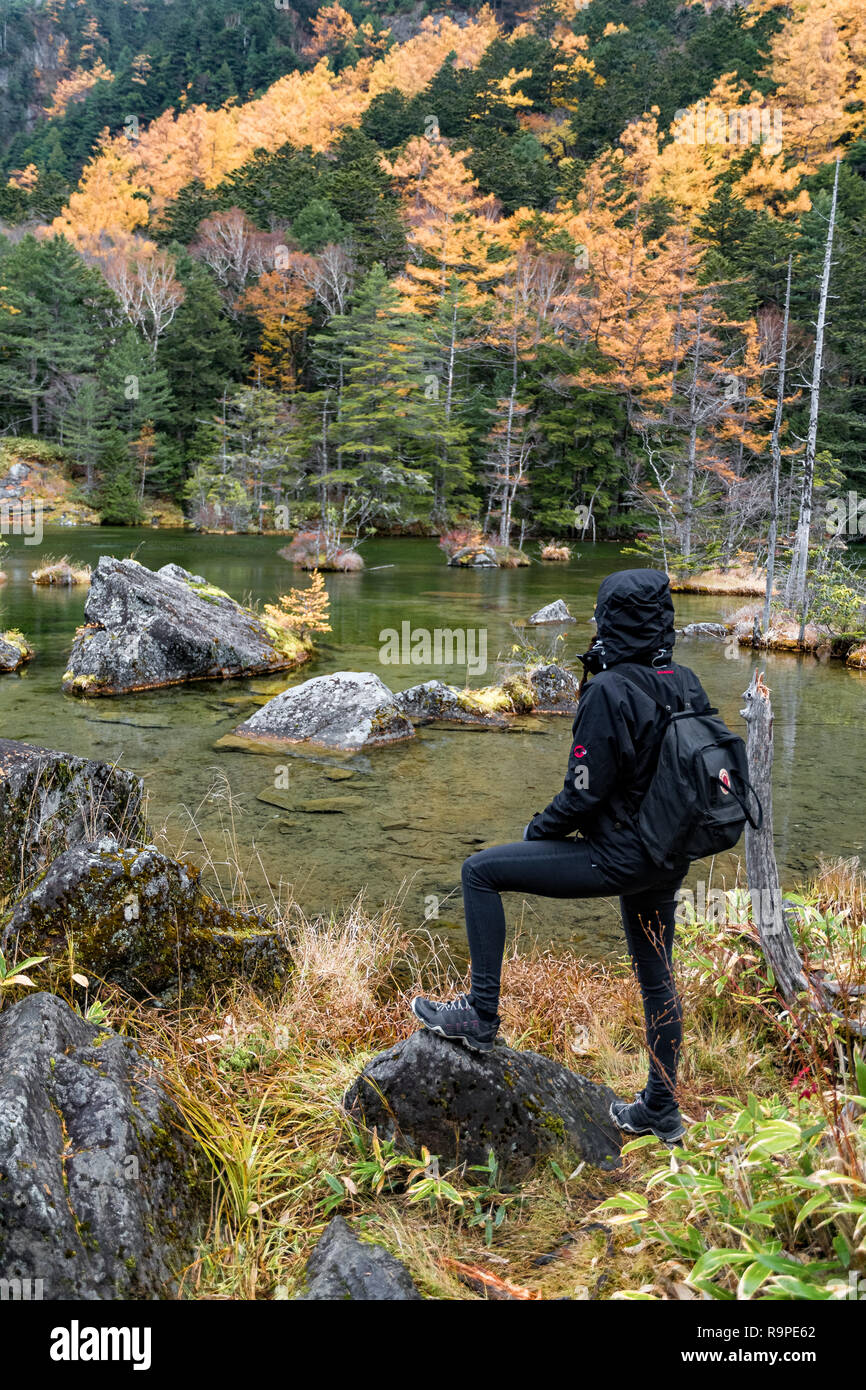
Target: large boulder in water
102 1192
142 921
51 800
461 1105
148 628
343 1267
348 710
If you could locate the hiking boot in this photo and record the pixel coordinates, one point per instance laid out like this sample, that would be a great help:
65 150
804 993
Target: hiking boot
458 1021
666 1125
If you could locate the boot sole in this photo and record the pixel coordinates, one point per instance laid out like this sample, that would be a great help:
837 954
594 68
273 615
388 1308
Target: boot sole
454 1037
638 1133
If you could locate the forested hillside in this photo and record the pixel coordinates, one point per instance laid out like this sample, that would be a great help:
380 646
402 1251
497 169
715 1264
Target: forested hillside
361 266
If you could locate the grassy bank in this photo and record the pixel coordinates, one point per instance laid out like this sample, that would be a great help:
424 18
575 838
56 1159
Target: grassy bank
765 1198
768 1186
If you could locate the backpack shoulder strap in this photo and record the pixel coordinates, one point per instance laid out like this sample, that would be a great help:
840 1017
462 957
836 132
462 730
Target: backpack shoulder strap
665 708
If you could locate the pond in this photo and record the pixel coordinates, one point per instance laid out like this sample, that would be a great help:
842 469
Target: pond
413 812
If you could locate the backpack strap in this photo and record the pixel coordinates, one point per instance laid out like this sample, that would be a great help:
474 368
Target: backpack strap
666 709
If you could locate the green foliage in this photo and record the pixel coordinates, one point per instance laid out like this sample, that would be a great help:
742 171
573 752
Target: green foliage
117 499
757 1205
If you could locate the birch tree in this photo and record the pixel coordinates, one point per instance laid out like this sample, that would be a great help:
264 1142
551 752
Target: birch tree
796 588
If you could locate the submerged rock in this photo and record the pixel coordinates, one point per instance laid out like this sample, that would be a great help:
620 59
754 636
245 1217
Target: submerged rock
51 800
15 651
462 1104
103 1193
142 921
347 710
148 628
343 1267
556 612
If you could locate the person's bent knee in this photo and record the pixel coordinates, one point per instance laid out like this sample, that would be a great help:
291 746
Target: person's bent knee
476 870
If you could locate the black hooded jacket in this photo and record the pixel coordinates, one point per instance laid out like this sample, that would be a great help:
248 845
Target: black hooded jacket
619 724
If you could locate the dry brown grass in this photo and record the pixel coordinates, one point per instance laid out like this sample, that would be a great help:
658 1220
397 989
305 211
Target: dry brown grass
739 579
60 572
556 551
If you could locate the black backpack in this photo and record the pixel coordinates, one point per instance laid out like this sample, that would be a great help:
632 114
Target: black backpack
697 802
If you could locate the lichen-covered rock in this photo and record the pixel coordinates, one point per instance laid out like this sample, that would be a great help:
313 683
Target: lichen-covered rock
434 700
704 630
462 1104
348 710
102 1193
548 689
140 920
343 1267
554 689
51 800
148 628
15 651
556 612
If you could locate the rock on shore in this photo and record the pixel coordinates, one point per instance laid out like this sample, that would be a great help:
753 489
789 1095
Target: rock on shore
103 1194
144 629
462 1104
142 921
343 1267
51 800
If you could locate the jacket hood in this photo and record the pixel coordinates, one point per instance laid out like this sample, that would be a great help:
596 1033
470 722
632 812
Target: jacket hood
634 615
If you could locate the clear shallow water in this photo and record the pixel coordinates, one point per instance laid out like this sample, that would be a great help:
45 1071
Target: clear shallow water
413 812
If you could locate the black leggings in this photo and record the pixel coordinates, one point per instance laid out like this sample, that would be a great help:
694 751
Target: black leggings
564 869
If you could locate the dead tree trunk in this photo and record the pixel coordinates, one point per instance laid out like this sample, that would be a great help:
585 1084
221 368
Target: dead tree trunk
800 558
776 449
761 869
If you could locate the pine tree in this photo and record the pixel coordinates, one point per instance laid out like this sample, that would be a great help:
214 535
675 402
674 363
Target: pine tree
199 351
379 424
117 498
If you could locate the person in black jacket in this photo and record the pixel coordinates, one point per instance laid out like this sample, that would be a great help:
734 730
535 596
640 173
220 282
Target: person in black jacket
614 746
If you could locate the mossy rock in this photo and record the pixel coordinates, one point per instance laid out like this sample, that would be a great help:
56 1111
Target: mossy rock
145 629
15 650
50 800
143 921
